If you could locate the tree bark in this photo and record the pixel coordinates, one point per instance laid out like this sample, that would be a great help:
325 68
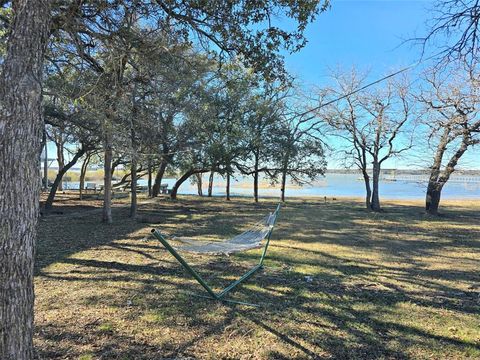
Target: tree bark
284 183
133 188
149 172
21 126
368 190
158 178
228 186
133 165
45 161
255 179
375 205
210 183
439 179
59 177
107 177
432 200
83 173
60 158
179 182
199 184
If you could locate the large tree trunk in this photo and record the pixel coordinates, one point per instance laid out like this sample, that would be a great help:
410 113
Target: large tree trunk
199 184
20 136
228 186
158 178
255 179
133 189
83 173
149 172
45 161
179 182
375 190
284 183
107 176
432 200
133 171
60 158
182 179
439 179
58 179
210 183
368 190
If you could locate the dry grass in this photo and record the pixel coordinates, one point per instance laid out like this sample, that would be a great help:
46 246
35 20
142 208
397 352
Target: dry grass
395 285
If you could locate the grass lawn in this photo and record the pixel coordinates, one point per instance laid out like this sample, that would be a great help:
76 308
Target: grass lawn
394 285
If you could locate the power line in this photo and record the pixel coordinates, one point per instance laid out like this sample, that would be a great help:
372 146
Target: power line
415 64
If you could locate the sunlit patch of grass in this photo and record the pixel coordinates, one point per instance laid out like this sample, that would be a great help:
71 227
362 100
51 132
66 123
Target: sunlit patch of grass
106 327
154 317
86 357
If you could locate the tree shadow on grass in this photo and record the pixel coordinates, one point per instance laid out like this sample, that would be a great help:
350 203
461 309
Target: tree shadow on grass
134 293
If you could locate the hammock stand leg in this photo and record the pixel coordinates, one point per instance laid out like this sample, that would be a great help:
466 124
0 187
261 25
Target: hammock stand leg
251 271
187 267
202 282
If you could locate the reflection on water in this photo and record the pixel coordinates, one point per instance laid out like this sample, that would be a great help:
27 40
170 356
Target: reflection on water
331 185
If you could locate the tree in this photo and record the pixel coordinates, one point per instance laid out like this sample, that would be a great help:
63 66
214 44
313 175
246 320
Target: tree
21 128
452 103
198 152
455 24
83 149
230 105
263 111
373 126
298 150
59 139
67 123
83 171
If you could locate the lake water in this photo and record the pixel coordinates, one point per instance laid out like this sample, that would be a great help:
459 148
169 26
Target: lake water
333 184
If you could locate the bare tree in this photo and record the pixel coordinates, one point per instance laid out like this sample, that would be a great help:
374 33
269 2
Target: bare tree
451 100
455 24
373 126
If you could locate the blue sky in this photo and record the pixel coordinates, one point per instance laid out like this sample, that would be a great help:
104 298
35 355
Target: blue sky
370 35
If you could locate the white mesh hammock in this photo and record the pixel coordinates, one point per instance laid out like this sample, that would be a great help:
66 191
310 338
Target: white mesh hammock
249 239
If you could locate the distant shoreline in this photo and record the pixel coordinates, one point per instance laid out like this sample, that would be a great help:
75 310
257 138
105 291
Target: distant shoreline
470 172
329 198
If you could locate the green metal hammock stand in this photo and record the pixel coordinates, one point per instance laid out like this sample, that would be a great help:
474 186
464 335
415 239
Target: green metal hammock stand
247 240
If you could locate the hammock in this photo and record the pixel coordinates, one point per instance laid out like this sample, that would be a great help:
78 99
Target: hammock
249 239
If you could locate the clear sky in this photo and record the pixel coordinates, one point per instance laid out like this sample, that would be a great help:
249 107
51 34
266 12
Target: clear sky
369 34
